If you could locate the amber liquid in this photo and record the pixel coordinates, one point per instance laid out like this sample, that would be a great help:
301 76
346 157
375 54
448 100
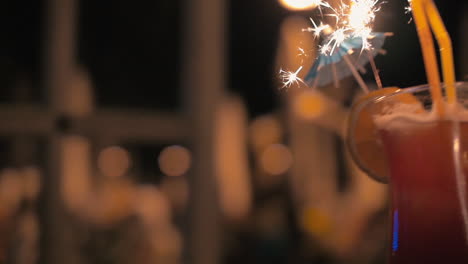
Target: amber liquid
427 220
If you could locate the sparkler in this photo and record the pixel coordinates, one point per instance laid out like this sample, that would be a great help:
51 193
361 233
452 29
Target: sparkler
289 77
352 21
320 3
337 38
409 10
317 30
302 52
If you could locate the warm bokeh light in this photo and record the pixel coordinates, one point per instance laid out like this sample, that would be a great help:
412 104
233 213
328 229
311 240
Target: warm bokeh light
321 110
316 222
276 159
231 159
177 191
264 131
10 191
167 244
111 203
174 160
32 183
75 171
308 105
152 206
298 4
114 161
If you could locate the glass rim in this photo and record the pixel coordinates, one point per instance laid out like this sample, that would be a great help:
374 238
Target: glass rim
410 90
357 108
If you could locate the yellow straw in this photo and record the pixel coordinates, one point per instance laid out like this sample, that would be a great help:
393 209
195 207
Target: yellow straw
445 45
429 56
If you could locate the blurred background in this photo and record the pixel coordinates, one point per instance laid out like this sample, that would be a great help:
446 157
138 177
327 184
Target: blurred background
158 132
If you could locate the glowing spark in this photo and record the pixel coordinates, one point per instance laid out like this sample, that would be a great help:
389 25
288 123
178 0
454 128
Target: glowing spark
317 30
324 49
362 14
365 34
289 78
337 38
302 53
360 18
339 14
320 3
408 10
353 20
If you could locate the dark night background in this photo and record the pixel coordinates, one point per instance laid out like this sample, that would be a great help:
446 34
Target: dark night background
132 48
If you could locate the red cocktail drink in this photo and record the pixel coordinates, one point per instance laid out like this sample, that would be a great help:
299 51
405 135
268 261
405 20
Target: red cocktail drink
398 138
428 225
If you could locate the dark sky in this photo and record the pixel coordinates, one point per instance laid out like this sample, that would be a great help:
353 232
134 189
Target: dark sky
132 48
403 64
21 45
254 27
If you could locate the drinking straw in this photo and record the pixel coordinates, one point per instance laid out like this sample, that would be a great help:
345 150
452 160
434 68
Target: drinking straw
336 80
356 75
445 45
429 55
375 70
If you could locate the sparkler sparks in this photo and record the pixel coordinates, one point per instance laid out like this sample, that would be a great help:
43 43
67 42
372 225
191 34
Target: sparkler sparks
360 19
337 38
320 3
302 52
351 31
289 78
409 10
325 49
362 13
317 30
365 34
353 20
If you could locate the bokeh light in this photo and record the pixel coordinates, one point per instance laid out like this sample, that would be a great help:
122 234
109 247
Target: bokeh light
176 191
174 160
316 222
114 161
308 105
76 171
32 183
231 159
111 203
298 4
264 131
276 159
10 191
152 206
167 244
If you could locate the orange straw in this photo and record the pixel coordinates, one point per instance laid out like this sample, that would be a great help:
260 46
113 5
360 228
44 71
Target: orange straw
429 55
445 45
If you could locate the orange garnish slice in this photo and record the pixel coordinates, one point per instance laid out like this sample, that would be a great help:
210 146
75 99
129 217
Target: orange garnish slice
363 135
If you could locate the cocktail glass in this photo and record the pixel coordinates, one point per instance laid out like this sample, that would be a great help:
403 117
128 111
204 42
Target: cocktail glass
423 155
